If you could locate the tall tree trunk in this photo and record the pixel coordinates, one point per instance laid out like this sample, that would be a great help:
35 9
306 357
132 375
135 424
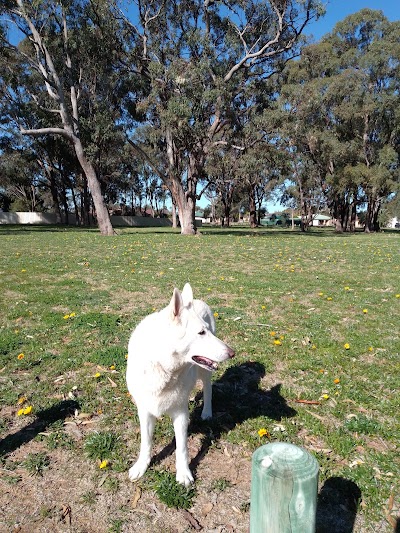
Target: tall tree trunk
227 213
338 215
252 207
353 217
372 218
186 211
54 195
174 217
185 201
103 216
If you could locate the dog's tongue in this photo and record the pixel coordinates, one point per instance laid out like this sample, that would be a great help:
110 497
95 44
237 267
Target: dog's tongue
203 361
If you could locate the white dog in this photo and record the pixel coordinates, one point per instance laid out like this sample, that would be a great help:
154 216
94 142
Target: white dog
168 351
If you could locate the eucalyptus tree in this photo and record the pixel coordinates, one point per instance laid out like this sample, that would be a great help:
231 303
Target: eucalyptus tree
200 62
341 105
368 48
63 58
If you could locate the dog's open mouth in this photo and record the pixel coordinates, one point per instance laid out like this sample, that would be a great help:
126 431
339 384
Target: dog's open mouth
204 362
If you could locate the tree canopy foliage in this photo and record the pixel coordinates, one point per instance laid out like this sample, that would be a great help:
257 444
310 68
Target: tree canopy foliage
101 105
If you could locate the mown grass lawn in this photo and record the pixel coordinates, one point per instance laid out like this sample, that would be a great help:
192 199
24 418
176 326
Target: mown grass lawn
314 320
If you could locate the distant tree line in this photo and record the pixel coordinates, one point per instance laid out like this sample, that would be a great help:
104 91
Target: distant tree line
106 103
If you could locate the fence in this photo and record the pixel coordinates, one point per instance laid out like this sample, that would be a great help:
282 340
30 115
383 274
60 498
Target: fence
51 219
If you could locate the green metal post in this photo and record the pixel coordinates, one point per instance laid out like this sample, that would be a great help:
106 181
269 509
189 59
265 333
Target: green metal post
284 487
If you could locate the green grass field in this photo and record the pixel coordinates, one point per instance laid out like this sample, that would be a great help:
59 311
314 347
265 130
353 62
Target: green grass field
314 320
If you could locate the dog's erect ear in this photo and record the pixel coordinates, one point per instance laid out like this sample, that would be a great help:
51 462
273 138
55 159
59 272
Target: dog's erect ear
187 295
176 305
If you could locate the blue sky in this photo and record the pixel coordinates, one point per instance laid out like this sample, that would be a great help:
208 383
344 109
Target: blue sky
337 10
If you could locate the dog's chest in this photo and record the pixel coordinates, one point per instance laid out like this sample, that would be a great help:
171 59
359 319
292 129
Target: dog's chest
162 392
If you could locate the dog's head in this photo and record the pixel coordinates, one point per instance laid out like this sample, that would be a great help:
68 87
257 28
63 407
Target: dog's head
196 343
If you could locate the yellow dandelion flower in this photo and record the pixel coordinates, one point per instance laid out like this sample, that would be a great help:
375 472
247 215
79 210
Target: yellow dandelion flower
20 356
263 432
103 464
272 333
277 342
25 410
370 349
23 270
336 381
320 294
21 400
216 315
365 311
347 288
72 315
329 298
397 295
347 346
325 396
97 375
66 317
112 367
263 307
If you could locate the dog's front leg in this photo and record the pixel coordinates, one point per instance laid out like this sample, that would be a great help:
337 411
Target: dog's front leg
205 377
147 423
183 474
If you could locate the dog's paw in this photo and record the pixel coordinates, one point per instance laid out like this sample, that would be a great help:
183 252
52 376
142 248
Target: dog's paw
137 470
206 414
184 477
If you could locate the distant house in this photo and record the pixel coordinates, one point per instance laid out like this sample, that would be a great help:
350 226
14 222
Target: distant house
199 218
322 220
285 220
275 220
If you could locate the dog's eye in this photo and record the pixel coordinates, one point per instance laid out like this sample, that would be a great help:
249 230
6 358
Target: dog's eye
202 332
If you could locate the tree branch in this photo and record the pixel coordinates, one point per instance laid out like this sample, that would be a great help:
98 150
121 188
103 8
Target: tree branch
46 131
146 158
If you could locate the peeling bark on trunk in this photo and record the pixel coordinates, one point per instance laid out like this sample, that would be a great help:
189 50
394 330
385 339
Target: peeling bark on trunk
186 212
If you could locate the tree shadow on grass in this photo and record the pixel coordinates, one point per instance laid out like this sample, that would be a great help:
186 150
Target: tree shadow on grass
236 398
43 420
337 505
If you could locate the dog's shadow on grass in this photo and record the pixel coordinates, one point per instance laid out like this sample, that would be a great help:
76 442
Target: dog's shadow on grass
43 420
237 397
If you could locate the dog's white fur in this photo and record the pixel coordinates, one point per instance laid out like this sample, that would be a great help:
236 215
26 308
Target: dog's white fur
168 351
